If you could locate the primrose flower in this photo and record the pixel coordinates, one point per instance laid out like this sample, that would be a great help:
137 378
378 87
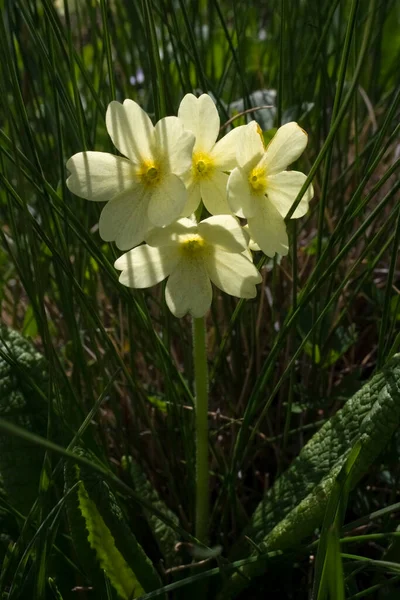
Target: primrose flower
143 190
262 191
252 245
207 178
192 255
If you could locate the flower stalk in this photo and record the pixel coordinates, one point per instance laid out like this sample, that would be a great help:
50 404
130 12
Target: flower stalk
201 426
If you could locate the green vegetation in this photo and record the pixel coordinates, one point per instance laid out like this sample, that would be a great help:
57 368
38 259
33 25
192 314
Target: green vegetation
97 435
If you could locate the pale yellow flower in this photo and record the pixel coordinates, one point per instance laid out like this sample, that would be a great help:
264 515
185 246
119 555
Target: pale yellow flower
253 246
262 191
211 160
143 190
192 255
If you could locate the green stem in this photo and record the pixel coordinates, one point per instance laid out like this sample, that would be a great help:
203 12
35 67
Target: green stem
201 392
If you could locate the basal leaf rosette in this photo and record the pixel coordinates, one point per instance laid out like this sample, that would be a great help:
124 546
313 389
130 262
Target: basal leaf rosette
262 191
207 179
192 256
143 190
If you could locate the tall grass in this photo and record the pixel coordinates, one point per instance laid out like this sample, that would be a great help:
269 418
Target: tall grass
325 318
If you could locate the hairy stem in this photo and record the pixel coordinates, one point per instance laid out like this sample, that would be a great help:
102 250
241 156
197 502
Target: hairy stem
201 392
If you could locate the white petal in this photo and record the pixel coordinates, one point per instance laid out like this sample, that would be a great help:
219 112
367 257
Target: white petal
253 246
223 231
193 201
248 255
170 235
98 175
167 201
240 199
189 289
130 129
145 266
124 219
224 151
267 228
285 147
282 190
235 274
174 145
251 148
214 194
200 116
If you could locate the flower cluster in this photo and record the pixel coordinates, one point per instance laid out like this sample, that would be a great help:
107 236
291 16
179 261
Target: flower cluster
154 190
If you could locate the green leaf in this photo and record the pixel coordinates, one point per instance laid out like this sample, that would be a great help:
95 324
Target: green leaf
21 404
294 507
101 526
343 339
161 405
30 327
328 572
53 586
102 542
166 537
86 555
313 351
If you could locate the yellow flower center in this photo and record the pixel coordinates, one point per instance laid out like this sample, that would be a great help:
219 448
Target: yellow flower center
258 181
202 165
192 245
150 173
